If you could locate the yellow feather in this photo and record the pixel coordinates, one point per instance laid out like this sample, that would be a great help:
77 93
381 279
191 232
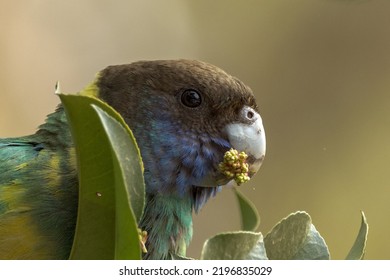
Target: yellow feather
28 244
91 90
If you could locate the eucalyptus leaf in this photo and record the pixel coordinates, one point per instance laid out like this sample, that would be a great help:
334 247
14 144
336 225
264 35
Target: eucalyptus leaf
106 227
359 247
296 238
250 218
128 179
128 157
242 245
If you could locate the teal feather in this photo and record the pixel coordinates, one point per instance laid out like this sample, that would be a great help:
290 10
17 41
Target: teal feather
38 192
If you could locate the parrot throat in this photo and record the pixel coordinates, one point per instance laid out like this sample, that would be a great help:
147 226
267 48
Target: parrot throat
168 222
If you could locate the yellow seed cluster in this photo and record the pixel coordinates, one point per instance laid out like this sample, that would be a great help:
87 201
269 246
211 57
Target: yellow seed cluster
143 236
234 166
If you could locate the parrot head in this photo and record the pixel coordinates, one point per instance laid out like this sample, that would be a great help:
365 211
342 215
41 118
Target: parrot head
185 115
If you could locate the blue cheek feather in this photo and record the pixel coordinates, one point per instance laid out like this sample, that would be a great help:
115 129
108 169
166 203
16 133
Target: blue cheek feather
180 158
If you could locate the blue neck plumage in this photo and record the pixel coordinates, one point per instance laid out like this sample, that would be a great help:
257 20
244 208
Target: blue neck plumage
175 161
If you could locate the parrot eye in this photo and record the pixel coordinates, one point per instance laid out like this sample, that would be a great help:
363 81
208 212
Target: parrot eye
191 98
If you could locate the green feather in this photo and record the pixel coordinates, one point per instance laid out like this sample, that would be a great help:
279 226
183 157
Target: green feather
38 192
168 221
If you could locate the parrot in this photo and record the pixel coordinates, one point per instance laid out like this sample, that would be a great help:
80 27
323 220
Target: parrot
184 114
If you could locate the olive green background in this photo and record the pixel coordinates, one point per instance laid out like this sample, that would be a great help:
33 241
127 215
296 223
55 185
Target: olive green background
320 70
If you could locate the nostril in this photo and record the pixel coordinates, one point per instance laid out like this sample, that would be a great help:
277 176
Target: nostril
250 115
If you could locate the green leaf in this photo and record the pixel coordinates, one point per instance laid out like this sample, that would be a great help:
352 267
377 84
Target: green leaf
128 157
250 218
128 179
359 247
234 246
106 226
296 238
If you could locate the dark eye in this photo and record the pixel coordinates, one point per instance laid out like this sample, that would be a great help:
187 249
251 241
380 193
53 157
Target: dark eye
191 98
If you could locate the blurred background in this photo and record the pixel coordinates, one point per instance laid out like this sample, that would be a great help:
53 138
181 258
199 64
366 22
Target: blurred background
319 68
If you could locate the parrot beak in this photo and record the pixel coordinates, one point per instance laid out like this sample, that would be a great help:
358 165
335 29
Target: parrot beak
248 136
245 135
